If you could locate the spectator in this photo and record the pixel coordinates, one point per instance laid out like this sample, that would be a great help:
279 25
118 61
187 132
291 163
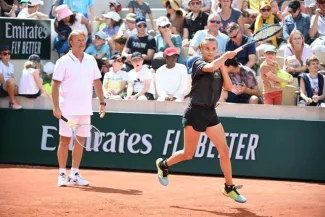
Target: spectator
8 84
141 42
245 88
141 9
82 7
30 85
248 55
140 84
115 6
128 27
175 15
99 49
296 20
272 92
171 78
32 10
115 79
300 50
112 20
317 27
16 9
312 85
265 17
164 40
205 5
194 21
230 15
55 4
6 6
48 69
119 43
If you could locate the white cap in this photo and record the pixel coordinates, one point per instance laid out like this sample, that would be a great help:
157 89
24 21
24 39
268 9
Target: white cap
35 2
48 68
163 21
112 15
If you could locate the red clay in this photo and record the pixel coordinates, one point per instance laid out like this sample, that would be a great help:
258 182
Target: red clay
32 191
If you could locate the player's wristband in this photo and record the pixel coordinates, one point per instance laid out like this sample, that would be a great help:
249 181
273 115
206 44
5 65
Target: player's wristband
103 103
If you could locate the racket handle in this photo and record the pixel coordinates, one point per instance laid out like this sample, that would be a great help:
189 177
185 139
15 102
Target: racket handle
64 118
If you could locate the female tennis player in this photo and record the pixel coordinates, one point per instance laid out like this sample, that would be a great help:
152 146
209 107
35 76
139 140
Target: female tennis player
208 78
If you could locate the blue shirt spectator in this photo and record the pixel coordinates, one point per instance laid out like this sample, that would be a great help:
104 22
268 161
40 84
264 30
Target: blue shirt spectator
93 51
177 41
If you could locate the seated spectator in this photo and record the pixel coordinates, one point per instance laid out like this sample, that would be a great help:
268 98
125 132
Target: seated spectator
171 78
6 6
30 85
296 20
300 50
230 15
113 21
272 92
312 84
248 55
119 43
194 21
76 21
99 49
265 17
128 27
205 5
115 6
48 70
141 42
176 15
82 7
164 40
115 79
141 9
317 27
32 10
245 87
55 4
16 9
140 84
8 84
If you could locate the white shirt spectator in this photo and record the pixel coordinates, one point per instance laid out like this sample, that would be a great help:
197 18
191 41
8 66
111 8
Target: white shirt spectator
23 13
123 30
113 80
138 79
78 25
171 82
27 83
76 83
6 71
321 25
307 52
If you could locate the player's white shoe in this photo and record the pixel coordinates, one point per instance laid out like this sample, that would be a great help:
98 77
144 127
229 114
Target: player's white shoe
76 179
62 180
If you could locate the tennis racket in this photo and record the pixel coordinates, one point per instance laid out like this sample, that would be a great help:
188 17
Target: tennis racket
261 35
90 137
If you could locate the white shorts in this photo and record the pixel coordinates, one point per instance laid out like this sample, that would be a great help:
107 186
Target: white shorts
65 129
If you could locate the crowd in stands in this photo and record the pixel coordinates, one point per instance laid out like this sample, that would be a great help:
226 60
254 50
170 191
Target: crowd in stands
146 58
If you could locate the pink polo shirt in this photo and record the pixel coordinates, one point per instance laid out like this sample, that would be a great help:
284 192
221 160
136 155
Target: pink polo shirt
76 89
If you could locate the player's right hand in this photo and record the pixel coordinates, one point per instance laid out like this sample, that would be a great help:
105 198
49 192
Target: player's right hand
57 113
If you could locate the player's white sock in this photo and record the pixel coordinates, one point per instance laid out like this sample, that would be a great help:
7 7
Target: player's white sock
74 171
62 170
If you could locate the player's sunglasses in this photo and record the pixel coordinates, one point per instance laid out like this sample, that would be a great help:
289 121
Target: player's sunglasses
166 26
142 26
266 10
215 21
195 3
6 53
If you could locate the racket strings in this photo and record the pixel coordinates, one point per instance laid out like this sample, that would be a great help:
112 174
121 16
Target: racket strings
266 32
88 136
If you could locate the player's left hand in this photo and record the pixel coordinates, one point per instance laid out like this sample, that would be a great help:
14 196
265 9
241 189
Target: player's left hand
102 110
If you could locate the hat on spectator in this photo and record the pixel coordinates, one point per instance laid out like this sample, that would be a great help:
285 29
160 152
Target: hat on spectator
4 47
170 52
140 19
136 55
48 68
175 4
35 2
112 15
294 6
269 48
34 57
116 5
163 21
265 4
115 57
63 11
130 17
101 34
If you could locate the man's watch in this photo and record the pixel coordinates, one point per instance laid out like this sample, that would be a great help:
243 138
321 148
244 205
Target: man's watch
102 103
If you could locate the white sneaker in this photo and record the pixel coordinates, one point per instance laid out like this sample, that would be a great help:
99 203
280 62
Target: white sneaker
76 179
62 180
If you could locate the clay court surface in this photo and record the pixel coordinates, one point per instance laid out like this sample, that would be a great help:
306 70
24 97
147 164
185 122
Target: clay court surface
32 191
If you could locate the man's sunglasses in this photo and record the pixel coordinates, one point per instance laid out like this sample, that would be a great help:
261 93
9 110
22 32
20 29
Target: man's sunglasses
233 37
195 3
6 53
142 26
166 26
215 21
266 10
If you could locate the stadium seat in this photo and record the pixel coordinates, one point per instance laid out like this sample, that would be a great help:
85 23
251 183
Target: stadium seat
289 95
